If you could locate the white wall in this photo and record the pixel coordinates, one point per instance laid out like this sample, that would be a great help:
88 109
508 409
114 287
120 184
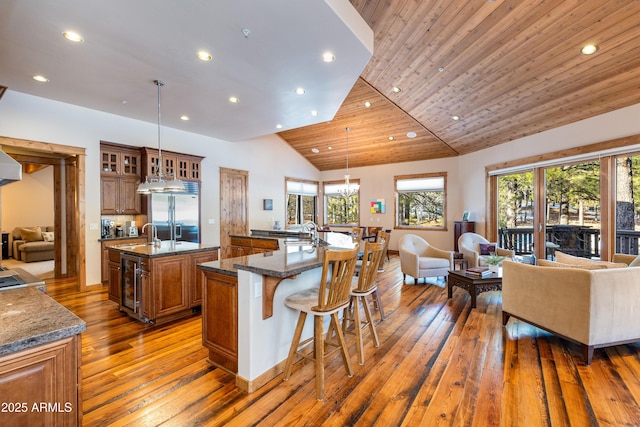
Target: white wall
376 182
466 174
267 159
29 202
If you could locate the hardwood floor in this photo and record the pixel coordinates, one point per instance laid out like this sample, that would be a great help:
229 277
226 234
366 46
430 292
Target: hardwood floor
439 362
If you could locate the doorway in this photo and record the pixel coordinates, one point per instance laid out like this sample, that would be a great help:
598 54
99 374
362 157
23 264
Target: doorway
69 215
233 207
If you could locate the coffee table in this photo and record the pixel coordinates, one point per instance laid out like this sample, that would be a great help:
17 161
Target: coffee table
473 284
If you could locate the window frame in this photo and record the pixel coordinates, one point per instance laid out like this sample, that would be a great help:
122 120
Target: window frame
397 178
326 195
300 212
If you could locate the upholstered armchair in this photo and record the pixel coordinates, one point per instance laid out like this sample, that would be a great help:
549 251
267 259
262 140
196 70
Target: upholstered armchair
469 245
419 259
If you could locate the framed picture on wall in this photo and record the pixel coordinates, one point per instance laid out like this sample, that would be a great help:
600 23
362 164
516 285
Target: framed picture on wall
267 204
466 215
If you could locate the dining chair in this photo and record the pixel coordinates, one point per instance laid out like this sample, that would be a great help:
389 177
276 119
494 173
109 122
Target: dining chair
364 284
327 299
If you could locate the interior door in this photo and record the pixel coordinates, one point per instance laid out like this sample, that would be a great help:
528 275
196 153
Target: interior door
233 207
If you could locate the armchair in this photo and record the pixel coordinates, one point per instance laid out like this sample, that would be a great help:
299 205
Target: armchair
419 259
469 247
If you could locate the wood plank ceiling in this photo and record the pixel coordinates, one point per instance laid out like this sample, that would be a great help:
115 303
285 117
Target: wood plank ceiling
506 68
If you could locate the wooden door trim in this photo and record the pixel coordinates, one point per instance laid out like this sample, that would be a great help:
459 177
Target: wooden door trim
74 186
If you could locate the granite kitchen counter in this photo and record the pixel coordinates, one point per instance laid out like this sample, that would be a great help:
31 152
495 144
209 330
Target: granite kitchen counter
167 248
31 318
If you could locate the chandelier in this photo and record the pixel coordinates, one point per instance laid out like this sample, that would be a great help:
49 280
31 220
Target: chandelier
349 189
160 182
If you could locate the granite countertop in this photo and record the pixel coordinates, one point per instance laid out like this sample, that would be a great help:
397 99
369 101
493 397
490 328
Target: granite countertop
167 248
30 318
115 239
288 261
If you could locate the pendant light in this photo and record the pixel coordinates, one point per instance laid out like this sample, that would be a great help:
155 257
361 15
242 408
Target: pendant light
159 182
349 189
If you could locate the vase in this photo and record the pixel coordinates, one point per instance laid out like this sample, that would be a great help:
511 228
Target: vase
494 268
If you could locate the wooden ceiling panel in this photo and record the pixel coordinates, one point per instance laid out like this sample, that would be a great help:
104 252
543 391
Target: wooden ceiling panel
508 68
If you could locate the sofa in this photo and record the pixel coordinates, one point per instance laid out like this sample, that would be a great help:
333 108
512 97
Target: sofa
595 306
31 244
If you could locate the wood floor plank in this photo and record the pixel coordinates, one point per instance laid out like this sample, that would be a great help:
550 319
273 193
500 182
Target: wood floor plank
439 362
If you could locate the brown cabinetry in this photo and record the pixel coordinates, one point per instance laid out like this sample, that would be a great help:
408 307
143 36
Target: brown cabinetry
105 276
120 168
185 166
171 285
241 246
459 228
220 319
49 375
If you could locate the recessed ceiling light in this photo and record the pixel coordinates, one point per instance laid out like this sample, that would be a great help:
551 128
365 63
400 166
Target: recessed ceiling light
41 79
300 91
185 118
455 117
204 55
390 138
441 69
314 113
315 150
367 104
328 57
278 126
124 102
234 100
329 148
411 134
396 89
589 49
246 32
73 36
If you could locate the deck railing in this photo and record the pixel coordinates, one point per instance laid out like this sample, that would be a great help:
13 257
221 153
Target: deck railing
585 244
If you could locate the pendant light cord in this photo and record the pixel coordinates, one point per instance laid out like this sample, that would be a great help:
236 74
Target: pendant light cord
159 83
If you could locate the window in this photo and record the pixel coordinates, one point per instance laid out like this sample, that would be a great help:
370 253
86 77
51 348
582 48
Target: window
302 198
341 210
421 201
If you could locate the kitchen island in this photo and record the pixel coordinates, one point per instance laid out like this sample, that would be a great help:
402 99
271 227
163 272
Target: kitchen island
39 360
246 326
157 284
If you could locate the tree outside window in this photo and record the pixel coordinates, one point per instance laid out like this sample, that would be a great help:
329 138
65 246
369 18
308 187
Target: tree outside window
341 210
302 198
421 201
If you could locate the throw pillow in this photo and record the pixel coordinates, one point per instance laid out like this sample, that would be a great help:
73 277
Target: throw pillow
31 234
47 236
487 248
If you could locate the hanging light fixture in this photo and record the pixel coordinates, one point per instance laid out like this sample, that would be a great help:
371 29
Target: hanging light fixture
349 189
159 182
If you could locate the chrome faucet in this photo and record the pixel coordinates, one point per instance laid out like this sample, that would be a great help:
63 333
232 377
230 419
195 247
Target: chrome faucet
311 228
153 236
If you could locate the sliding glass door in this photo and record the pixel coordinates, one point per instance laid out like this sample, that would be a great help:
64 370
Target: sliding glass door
572 209
627 199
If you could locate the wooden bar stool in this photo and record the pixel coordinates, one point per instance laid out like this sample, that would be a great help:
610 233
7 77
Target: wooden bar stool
331 296
362 287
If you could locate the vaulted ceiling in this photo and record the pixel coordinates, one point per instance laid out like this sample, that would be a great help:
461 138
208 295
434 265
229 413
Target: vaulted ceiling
505 68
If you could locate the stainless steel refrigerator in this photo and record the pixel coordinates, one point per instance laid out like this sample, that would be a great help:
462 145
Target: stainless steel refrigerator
177 214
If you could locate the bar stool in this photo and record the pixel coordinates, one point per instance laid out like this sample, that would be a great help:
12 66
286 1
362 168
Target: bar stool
363 286
332 295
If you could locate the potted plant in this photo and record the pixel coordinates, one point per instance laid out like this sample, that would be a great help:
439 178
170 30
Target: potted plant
493 261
